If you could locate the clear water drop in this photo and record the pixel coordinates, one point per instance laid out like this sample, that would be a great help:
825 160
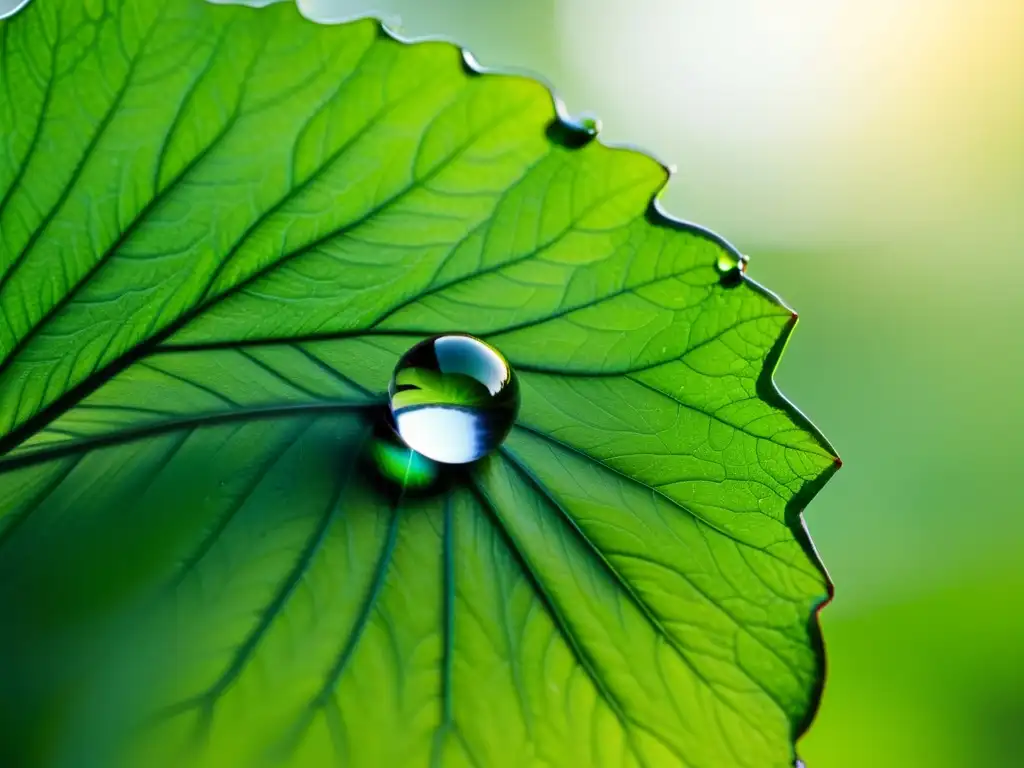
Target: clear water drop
453 398
727 262
732 267
573 133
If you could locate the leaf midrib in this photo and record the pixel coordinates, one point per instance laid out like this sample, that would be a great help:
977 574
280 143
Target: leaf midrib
645 609
76 174
148 345
31 456
700 519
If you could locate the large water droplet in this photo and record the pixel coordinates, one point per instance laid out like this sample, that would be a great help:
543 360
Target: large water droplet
453 398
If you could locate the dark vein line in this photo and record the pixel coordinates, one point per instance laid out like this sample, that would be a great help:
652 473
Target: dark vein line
146 346
743 430
140 490
136 409
207 302
366 610
336 728
79 168
446 721
290 196
341 661
567 373
675 503
135 353
332 371
273 372
557 618
515 663
169 347
749 632
13 525
64 432
204 388
486 226
29 456
225 519
104 258
208 699
325 104
655 621
626 289
183 103
44 107
498 267
5 51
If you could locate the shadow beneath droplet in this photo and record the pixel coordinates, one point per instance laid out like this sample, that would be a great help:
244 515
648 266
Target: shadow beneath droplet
731 278
572 134
395 472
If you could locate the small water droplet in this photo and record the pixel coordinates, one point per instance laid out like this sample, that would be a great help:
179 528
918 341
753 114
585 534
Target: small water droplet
732 267
727 262
453 398
574 133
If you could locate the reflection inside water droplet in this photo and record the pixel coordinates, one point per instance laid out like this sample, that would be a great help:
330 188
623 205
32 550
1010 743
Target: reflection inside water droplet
732 266
728 261
574 133
453 398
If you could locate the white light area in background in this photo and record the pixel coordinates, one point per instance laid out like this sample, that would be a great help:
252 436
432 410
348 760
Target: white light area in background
9 7
499 33
447 435
814 122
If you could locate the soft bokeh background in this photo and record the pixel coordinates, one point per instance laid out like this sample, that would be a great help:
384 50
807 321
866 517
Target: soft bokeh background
869 156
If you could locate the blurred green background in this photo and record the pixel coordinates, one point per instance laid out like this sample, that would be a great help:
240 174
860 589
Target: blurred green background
869 156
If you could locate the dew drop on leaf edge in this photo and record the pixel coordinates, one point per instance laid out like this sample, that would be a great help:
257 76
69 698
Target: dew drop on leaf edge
573 133
453 398
729 263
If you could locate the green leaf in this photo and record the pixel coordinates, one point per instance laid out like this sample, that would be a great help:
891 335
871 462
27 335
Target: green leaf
219 229
417 386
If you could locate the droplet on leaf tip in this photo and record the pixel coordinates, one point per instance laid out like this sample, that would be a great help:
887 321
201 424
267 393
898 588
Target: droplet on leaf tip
574 133
453 398
731 266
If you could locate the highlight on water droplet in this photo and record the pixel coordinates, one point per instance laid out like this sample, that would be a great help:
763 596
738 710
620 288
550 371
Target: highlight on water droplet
732 266
453 398
574 132
727 262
